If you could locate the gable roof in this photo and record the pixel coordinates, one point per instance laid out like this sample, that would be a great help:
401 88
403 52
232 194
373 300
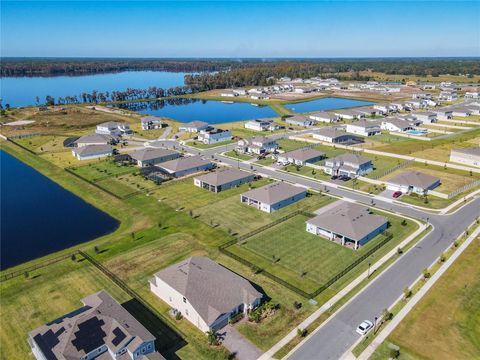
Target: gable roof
350 158
398 122
414 178
151 153
324 115
348 219
366 124
94 139
210 288
184 163
274 193
224 176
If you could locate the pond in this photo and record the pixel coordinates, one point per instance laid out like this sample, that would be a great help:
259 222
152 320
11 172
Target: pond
22 91
325 104
210 111
39 217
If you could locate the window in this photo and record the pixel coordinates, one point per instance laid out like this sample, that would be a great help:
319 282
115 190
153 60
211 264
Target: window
184 300
186 312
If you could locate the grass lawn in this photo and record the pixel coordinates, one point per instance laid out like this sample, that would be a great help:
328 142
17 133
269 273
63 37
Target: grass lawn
445 324
200 145
238 155
44 143
102 169
126 184
289 144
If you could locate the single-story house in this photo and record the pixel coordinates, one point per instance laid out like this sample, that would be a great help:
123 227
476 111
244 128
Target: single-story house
448 96
223 179
240 91
100 329
348 164
349 114
89 152
443 113
425 116
368 111
413 181
185 166
204 292
259 97
412 119
262 125
461 111
324 117
382 108
396 125
298 121
347 223
151 156
472 95
151 123
334 135
228 93
257 145
194 126
94 139
416 104
364 128
273 197
466 156
301 156
113 128
213 135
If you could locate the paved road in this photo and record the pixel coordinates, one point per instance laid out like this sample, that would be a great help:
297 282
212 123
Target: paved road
338 334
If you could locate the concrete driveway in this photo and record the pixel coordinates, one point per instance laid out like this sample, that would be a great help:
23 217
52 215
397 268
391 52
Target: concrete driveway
236 343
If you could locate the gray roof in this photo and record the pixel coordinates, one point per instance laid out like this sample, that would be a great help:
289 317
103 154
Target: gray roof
324 115
423 113
348 219
224 176
101 321
94 139
274 193
303 154
475 151
150 118
194 124
184 163
351 159
92 150
414 178
151 153
398 122
331 132
210 288
367 124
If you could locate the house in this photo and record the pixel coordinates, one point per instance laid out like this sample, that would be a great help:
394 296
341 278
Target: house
425 96
472 95
348 164
151 156
416 104
94 139
185 166
349 114
425 117
347 223
262 125
193 126
113 128
213 135
228 93
89 152
399 105
413 181
334 135
204 292
239 92
467 156
257 145
301 156
448 96
396 125
461 111
259 97
223 179
151 123
101 329
324 117
364 128
443 113
368 111
382 108
298 121
273 197
412 119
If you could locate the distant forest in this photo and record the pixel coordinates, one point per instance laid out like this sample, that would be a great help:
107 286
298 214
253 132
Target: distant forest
242 71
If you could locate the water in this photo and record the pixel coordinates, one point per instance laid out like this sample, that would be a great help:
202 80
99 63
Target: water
39 217
417 132
212 112
325 104
22 91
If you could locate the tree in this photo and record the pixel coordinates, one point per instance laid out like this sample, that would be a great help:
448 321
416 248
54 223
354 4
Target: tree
442 257
407 292
302 332
96 249
426 273
212 337
386 315
73 257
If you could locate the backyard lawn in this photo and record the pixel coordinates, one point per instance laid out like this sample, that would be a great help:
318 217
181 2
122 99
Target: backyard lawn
44 143
102 169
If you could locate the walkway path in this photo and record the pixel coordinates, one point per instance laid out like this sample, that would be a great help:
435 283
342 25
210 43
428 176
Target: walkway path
237 344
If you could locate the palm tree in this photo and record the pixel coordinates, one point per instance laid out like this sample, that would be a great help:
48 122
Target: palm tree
212 337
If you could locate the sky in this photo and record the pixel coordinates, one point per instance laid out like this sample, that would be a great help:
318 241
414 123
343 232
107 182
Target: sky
235 29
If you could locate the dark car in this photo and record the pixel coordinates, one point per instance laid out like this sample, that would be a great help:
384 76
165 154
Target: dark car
343 178
334 177
396 194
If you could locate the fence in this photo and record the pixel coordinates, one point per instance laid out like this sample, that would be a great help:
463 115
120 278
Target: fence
92 183
463 188
224 250
21 146
392 169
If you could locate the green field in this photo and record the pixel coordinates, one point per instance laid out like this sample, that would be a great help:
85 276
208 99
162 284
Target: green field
101 169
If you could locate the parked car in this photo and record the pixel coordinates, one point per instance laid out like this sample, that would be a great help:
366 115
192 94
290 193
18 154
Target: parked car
344 177
334 177
364 327
397 194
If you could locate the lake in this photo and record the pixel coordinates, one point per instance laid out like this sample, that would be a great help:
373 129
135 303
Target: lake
324 104
39 217
22 91
212 112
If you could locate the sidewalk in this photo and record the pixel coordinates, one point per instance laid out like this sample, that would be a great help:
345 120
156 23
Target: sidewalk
325 307
416 298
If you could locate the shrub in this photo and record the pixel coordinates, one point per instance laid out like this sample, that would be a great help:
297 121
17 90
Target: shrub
442 257
386 315
297 305
254 316
302 332
426 274
394 353
399 251
404 222
178 316
407 292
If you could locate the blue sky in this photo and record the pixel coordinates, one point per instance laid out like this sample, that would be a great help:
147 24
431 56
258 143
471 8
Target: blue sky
240 28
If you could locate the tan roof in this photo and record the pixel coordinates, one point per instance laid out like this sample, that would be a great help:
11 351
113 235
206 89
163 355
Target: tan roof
151 153
210 288
348 219
414 178
184 163
303 154
224 176
274 193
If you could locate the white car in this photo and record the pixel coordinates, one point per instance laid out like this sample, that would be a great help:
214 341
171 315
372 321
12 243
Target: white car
363 328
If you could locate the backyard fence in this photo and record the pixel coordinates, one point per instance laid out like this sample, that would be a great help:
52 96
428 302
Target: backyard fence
392 169
92 183
463 188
